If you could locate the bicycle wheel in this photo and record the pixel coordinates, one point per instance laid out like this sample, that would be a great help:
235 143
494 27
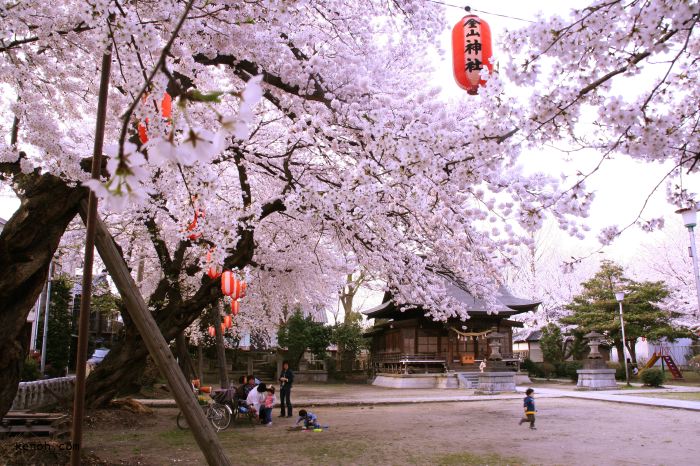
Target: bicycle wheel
181 421
219 415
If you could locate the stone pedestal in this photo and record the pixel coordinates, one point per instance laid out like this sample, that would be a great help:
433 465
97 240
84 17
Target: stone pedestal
595 375
493 383
416 380
596 379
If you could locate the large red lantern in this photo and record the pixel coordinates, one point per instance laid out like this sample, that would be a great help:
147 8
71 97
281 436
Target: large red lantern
471 51
227 321
235 307
230 286
166 109
212 331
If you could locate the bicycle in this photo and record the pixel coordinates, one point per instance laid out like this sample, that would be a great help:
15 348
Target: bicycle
218 414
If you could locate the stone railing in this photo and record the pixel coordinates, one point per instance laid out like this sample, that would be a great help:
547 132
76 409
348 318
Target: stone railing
40 393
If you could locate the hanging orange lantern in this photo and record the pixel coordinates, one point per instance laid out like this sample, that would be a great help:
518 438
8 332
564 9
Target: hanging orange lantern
235 307
230 286
471 51
223 327
227 321
212 331
243 288
166 109
193 225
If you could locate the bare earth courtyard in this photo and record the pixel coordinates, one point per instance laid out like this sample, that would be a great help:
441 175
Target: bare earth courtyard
570 431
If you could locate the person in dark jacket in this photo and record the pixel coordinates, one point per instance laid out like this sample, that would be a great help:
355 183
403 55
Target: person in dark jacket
529 405
286 380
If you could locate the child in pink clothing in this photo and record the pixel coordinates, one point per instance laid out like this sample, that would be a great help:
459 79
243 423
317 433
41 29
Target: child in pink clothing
267 406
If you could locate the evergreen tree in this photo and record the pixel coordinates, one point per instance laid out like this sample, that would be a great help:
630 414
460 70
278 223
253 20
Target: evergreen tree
300 333
59 332
350 340
552 344
597 309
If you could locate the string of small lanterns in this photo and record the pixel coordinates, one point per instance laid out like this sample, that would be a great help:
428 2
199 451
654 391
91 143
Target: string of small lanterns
232 287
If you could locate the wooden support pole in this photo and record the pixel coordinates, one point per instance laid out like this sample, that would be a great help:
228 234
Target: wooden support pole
86 292
157 346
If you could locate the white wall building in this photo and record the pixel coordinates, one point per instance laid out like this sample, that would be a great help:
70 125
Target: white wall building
680 350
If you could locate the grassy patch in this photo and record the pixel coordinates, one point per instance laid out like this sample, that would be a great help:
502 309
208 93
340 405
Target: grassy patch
467 458
125 436
333 452
176 437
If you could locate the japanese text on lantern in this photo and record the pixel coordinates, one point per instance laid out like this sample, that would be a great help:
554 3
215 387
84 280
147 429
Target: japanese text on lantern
472 45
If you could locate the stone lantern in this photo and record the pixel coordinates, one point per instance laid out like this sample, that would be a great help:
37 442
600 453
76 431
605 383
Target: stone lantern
595 375
593 343
494 339
497 378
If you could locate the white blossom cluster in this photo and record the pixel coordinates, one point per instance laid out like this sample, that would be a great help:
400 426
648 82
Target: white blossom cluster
313 124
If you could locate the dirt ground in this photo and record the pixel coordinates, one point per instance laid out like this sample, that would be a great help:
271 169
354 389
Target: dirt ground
486 432
569 432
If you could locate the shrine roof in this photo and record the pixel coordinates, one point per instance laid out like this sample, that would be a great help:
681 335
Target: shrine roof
506 304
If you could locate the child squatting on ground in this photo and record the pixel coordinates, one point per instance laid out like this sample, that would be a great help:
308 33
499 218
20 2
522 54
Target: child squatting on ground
529 404
268 403
309 418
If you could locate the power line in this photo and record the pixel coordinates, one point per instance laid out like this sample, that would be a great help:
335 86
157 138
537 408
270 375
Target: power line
468 9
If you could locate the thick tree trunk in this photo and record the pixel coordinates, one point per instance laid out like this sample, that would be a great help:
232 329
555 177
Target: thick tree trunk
27 244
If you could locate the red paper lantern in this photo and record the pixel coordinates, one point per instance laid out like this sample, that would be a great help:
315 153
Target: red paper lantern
212 331
197 215
471 51
227 321
230 286
214 271
235 307
166 109
243 288
223 327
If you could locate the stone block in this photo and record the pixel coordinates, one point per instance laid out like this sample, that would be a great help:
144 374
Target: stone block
492 383
596 379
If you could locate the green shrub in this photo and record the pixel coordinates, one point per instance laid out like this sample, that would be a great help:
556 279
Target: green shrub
568 369
533 369
30 370
619 370
548 369
652 377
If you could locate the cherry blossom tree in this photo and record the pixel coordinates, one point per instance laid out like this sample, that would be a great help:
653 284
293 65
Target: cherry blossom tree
616 77
302 131
665 257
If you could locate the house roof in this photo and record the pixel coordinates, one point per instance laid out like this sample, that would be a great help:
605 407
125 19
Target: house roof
506 304
527 335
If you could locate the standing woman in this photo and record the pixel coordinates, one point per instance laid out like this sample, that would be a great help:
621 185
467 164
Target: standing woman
286 379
